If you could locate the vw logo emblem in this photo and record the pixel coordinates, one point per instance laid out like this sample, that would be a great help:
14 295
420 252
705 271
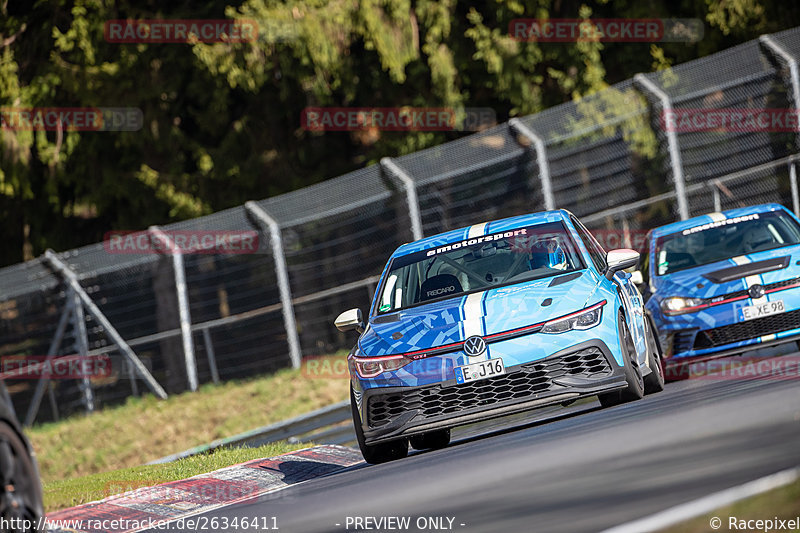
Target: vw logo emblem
756 291
474 346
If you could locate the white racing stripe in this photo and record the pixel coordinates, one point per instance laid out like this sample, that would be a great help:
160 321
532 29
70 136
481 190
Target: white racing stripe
707 504
476 231
473 321
749 281
473 307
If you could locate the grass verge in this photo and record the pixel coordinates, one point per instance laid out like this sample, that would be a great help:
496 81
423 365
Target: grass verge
782 503
146 428
72 492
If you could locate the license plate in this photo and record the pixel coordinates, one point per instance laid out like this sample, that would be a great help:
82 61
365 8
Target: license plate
481 370
757 311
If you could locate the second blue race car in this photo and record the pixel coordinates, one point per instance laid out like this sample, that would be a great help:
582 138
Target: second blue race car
494 319
723 283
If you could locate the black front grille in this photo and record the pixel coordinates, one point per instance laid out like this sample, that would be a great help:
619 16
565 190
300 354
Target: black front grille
525 381
682 340
768 287
748 330
784 283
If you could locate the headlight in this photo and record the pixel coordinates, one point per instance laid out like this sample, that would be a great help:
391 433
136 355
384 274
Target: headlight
583 319
369 367
678 306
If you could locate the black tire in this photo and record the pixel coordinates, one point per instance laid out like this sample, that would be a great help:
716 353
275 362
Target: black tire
21 490
432 440
376 453
654 381
635 388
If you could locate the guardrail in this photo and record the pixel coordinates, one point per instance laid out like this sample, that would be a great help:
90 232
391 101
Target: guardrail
329 425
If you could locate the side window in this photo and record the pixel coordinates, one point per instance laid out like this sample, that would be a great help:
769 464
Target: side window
596 252
388 295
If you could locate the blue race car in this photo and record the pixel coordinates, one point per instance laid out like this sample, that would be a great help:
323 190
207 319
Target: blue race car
494 319
723 283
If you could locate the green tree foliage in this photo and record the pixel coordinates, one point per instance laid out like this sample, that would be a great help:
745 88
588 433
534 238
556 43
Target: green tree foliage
222 121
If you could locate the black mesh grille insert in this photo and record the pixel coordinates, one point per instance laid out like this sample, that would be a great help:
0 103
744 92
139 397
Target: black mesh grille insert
526 380
682 341
776 285
749 329
784 283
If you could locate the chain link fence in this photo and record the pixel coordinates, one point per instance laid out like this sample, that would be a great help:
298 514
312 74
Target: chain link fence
166 324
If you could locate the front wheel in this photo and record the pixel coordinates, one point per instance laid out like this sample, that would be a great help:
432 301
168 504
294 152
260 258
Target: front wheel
376 453
633 375
20 489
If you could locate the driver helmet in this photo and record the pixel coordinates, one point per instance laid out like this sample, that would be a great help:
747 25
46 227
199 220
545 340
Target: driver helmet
547 252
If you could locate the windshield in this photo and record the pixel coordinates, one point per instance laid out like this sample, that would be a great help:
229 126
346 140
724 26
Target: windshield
476 264
724 239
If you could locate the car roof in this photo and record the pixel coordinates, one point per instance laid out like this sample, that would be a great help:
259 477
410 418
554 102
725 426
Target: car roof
713 217
484 228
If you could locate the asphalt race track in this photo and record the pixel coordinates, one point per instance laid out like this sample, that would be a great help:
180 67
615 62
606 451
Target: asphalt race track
580 469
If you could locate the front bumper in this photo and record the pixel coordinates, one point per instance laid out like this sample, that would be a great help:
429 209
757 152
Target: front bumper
720 330
678 368
688 346
585 369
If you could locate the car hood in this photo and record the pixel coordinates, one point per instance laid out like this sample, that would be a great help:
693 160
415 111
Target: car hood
725 277
500 309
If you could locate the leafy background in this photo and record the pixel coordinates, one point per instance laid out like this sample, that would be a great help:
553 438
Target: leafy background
222 121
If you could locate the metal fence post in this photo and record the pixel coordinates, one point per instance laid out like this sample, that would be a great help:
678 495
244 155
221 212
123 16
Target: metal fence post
626 233
715 193
793 184
672 141
72 280
212 359
51 397
81 346
411 195
794 77
537 142
283 279
132 378
33 408
184 315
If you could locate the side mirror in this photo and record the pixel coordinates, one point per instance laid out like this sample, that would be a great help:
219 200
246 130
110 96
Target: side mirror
620 260
637 278
349 320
